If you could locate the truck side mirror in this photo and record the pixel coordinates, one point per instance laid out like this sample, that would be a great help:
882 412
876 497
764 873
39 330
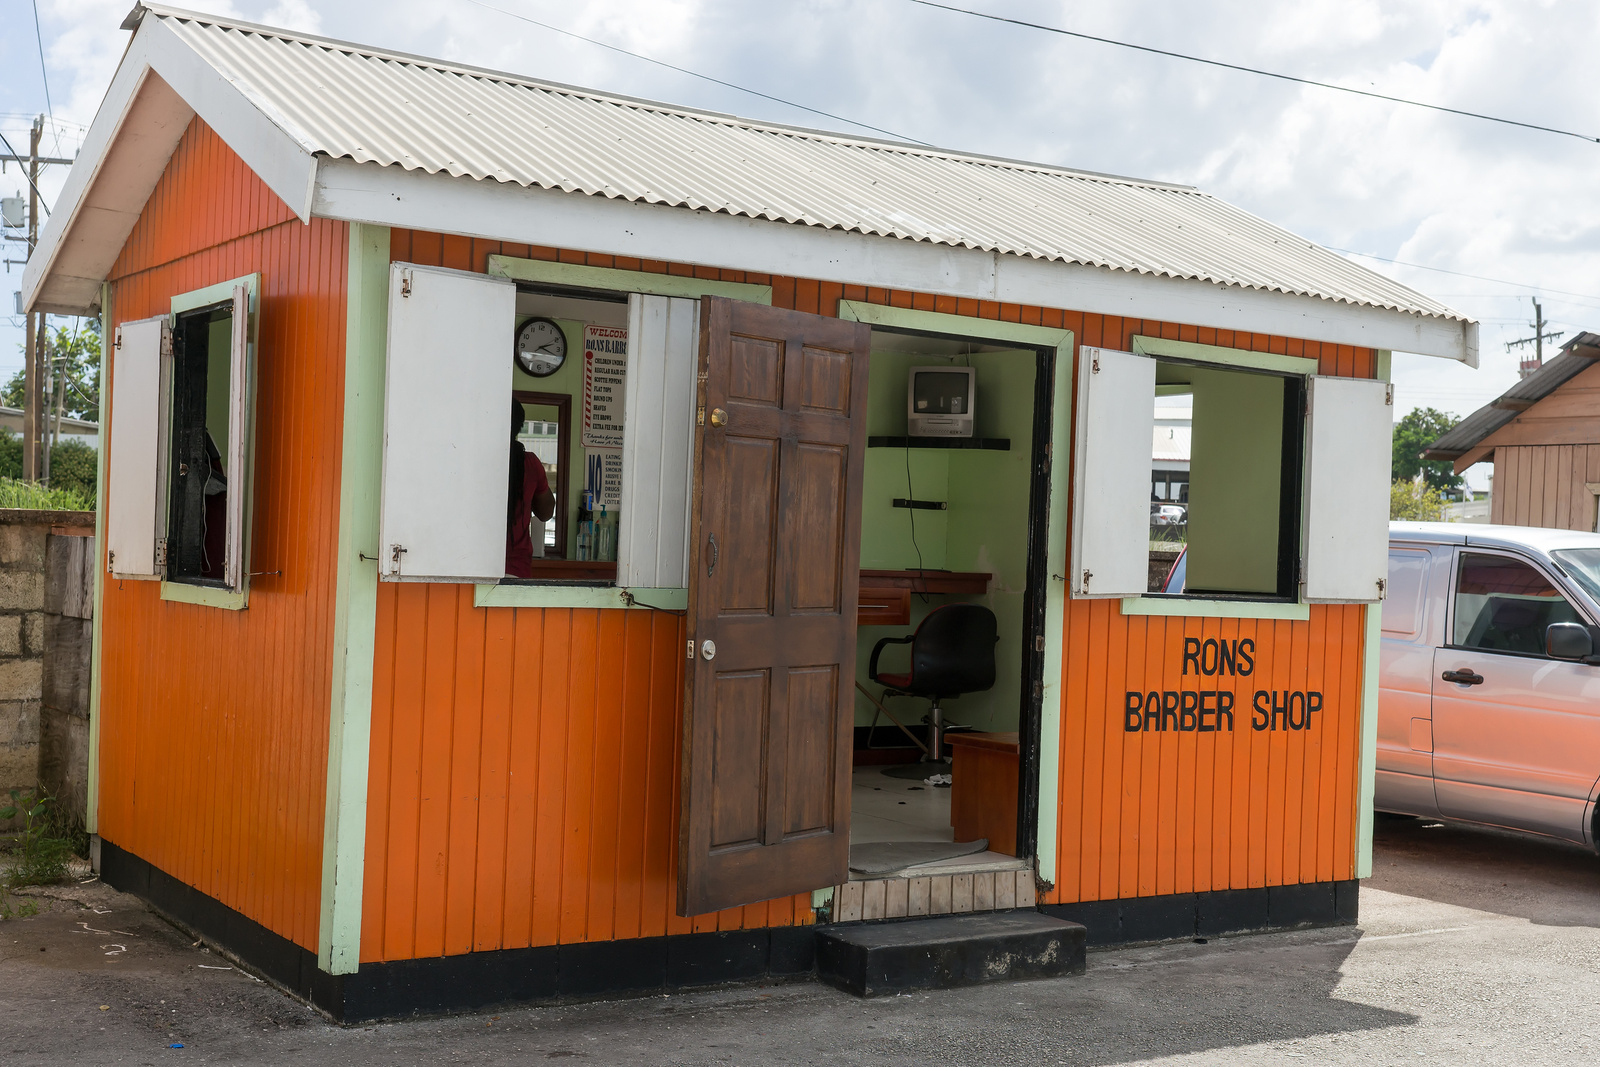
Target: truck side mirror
1568 640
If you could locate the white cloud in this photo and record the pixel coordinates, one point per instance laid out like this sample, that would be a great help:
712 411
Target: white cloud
1400 182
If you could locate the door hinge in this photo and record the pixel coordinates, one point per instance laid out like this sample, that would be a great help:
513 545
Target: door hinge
700 415
1038 642
161 552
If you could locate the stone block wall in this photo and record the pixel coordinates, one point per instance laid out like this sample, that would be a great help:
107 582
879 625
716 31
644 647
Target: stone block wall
44 652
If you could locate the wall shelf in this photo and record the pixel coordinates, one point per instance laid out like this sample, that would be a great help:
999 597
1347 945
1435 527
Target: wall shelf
994 444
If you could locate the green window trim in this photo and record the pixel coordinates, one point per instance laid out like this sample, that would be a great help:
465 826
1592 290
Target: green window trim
210 596
206 595
1185 608
627 281
1230 357
578 596
958 325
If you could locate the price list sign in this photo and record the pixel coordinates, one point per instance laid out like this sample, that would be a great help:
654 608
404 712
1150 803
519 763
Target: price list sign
605 368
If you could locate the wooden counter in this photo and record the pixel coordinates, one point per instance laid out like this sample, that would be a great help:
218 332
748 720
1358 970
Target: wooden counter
886 595
983 789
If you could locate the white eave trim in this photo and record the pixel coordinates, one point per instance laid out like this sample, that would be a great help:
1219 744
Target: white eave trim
287 166
392 196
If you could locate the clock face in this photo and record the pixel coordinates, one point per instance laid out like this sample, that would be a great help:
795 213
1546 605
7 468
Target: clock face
541 347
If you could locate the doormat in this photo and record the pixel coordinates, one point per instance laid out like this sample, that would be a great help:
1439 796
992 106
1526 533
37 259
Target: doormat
887 857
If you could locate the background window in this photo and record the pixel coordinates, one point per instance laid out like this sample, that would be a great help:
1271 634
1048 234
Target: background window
197 524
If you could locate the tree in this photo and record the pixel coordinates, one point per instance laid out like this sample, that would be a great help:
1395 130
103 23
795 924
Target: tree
1420 428
75 354
1410 501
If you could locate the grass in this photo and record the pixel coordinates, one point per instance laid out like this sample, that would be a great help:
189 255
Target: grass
19 494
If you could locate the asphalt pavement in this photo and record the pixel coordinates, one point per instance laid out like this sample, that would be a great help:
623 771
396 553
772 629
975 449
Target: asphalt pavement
1474 947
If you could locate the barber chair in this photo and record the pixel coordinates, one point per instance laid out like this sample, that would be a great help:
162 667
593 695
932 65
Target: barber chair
952 653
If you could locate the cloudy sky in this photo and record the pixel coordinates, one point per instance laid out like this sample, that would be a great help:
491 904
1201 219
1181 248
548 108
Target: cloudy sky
1439 191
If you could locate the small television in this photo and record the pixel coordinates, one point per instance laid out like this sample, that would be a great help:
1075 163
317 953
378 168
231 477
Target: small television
939 401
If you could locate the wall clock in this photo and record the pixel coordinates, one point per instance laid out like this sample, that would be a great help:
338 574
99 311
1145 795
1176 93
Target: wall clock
541 347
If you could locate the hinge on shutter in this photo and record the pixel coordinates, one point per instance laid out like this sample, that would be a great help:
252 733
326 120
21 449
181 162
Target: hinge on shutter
1087 574
1388 394
118 342
395 552
405 283
161 552
111 560
1094 365
1038 643
1302 572
1383 587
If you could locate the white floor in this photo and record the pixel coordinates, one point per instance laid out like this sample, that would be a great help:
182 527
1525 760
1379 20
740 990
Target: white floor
896 809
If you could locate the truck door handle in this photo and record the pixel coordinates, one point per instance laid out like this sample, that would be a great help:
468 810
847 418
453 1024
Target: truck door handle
1467 676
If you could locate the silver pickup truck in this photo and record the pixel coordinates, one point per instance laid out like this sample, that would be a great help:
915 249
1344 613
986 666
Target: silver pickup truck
1489 708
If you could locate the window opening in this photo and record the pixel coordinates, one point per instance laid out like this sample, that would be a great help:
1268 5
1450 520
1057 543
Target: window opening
1505 605
1226 470
197 527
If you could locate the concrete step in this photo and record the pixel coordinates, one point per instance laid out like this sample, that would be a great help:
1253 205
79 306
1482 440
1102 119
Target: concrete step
877 959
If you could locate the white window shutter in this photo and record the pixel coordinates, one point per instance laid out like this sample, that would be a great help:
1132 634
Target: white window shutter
240 383
658 442
1111 474
1348 443
446 426
136 472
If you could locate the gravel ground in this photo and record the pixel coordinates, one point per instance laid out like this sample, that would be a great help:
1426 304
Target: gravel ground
1473 946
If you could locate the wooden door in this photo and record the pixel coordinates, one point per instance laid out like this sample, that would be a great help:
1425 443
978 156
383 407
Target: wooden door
776 542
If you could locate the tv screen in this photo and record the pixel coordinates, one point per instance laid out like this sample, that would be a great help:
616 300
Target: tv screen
940 392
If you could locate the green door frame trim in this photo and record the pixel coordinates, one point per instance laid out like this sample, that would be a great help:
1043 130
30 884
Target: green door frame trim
344 836
1055 608
205 595
91 800
624 281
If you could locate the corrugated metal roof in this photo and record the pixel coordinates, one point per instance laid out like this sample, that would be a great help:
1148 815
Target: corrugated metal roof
1568 364
347 101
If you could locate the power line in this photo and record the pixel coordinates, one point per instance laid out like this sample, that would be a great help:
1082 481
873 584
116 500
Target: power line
1459 274
696 74
1254 70
38 35
14 155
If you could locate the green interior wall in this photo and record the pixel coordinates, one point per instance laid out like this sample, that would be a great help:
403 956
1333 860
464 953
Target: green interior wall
985 527
219 368
1235 480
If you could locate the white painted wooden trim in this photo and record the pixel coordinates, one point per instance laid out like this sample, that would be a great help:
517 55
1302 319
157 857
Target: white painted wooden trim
136 467
361 192
1111 464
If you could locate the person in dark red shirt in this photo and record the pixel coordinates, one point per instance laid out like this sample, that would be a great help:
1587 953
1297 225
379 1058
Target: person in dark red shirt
528 493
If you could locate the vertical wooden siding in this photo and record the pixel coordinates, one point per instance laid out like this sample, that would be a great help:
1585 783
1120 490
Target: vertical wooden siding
214 724
1546 485
524 777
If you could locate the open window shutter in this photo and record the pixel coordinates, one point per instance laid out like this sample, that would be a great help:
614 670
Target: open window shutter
1111 474
773 584
1348 440
240 383
657 445
446 426
135 476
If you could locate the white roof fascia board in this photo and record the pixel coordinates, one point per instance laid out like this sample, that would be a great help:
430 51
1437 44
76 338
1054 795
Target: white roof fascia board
248 126
391 196
140 122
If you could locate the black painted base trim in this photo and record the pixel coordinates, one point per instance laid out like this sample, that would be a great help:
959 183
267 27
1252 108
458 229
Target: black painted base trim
1223 911
477 979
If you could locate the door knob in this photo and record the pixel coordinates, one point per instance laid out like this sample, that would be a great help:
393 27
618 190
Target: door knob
719 417
1466 676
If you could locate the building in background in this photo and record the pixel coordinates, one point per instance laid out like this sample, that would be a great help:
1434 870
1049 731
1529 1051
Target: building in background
1543 437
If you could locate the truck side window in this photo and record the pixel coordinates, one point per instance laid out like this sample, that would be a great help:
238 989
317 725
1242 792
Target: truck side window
1402 602
1504 605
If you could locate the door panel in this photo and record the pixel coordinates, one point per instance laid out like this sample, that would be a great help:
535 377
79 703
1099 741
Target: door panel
776 540
1520 747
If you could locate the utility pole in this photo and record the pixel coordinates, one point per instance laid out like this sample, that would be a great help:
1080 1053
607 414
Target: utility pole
1527 367
30 392
33 415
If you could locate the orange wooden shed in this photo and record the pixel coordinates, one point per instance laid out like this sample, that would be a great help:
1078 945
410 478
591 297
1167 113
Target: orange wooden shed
331 734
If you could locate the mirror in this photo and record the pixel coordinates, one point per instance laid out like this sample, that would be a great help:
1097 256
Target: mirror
1568 640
